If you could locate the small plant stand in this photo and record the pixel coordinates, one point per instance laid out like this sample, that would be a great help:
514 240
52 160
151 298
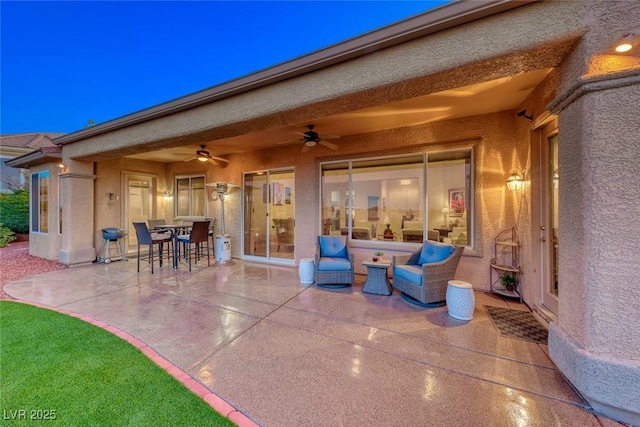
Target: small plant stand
506 260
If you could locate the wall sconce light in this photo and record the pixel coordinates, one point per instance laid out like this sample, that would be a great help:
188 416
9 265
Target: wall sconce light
111 197
626 43
166 196
523 113
515 181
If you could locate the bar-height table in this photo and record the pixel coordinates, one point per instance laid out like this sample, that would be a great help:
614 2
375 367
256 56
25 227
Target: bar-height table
175 230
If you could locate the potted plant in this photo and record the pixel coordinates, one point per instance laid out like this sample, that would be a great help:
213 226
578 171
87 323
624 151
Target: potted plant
377 256
508 281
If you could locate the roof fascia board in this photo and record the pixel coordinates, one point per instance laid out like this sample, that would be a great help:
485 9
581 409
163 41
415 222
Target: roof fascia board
444 17
44 155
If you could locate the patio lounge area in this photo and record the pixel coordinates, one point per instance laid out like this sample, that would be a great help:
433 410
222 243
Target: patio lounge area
287 354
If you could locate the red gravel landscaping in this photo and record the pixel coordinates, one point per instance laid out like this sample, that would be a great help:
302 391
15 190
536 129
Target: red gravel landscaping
16 264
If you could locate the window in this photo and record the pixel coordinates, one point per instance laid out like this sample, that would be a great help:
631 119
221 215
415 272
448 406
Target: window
191 196
386 199
40 202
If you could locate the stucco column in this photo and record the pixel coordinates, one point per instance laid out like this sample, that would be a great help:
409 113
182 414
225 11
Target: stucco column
596 342
76 187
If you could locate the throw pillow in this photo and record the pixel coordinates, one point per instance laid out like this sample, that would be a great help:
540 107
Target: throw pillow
434 252
333 246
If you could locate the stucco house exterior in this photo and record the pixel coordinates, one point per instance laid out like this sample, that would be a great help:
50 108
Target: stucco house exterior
16 145
434 114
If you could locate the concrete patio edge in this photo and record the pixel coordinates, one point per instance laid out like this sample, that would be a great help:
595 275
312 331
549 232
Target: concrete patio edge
216 402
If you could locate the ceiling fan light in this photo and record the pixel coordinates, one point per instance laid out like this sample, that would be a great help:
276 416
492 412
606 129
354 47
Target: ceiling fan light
310 143
202 158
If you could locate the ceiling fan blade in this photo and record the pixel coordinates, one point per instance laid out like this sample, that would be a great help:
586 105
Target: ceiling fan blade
213 162
220 159
191 158
289 142
305 147
328 144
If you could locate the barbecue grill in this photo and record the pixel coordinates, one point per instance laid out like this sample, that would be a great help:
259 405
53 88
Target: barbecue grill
111 235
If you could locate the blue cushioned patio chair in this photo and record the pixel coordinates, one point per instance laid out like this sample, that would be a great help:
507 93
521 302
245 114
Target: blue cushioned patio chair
423 276
333 262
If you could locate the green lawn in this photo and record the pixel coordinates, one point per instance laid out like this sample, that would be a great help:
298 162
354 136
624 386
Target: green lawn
56 366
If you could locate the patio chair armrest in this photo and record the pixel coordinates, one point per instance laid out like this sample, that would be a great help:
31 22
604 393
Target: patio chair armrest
400 259
448 265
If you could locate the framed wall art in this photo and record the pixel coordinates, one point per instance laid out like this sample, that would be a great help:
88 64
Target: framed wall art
457 201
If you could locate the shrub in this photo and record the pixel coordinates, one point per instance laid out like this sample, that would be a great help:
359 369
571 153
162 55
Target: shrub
6 236
14 211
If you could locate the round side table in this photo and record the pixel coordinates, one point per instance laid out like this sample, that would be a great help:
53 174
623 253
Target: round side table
460 300
306 271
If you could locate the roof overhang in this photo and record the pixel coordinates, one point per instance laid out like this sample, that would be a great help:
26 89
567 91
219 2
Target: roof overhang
444 17
39 157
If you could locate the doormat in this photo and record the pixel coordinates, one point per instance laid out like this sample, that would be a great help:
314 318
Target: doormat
518 324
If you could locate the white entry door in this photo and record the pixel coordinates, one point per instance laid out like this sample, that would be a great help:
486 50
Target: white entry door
139 205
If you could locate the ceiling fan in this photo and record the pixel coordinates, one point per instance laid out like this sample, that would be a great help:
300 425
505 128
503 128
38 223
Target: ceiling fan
204 156
310 138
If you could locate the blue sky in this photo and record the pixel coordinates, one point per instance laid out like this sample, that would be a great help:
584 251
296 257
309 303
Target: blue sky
65 63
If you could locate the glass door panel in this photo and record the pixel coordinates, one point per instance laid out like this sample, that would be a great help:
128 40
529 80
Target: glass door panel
138 205
256 205
549 218
269 215
282 214
553 215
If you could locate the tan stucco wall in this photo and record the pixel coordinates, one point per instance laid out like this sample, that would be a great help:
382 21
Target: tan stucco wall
110 178
594 342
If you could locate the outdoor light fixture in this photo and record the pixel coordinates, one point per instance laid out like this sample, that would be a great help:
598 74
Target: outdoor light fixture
626 43
515 181
166 196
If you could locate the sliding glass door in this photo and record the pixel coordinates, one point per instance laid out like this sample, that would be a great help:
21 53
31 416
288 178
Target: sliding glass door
269 215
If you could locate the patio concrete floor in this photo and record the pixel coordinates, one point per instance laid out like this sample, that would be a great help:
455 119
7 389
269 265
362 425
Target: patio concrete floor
288 354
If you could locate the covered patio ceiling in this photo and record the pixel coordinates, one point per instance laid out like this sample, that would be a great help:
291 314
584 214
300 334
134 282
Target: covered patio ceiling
486 97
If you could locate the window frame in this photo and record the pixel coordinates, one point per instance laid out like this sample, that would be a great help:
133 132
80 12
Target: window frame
466 152
36 203
176 204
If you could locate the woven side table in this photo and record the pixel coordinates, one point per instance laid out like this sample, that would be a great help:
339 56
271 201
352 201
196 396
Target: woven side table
460 300
377 280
